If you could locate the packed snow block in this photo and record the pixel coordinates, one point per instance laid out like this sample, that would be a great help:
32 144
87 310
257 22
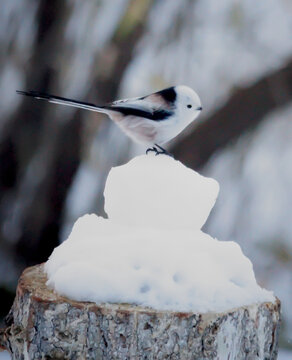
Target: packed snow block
158 191
45 325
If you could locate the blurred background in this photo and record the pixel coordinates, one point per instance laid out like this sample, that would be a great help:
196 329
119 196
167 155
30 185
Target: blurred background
54 160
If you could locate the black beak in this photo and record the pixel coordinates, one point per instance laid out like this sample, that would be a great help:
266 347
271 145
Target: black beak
200 108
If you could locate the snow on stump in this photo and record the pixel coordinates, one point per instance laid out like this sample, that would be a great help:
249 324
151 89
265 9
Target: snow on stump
146 283
44 325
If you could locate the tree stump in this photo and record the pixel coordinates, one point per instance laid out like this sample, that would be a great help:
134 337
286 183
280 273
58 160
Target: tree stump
45 325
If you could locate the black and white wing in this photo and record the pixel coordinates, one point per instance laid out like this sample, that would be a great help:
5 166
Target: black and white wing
157 106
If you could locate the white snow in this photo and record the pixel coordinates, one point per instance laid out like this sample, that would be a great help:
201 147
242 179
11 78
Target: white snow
151 251
160 193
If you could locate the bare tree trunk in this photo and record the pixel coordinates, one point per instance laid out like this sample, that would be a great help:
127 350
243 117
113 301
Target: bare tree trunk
44 325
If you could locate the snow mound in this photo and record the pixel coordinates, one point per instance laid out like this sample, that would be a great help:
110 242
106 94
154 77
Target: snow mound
159 191
151 250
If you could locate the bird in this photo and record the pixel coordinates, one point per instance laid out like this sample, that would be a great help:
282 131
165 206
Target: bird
152 120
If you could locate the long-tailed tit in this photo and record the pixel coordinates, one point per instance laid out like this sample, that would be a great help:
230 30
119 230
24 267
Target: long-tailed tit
152 120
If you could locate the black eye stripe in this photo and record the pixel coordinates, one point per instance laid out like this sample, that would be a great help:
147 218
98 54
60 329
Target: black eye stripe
189 106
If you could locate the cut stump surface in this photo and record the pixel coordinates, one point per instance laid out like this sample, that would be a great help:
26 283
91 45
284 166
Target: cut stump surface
45 325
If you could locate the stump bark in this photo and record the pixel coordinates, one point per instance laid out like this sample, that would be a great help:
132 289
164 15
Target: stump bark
45 325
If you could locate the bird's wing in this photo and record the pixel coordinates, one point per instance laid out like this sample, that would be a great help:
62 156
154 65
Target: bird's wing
161 99
150 107
141 103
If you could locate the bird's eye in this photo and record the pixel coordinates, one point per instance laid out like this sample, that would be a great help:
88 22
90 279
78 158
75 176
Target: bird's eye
189 106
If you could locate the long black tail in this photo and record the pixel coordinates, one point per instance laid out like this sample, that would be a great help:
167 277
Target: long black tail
62 101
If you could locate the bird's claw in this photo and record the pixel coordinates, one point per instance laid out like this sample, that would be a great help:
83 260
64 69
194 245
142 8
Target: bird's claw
157 152
152 149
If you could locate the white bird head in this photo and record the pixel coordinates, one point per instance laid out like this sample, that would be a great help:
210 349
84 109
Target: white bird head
188 103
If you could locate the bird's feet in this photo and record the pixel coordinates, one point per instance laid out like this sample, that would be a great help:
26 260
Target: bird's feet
158 151
152 149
